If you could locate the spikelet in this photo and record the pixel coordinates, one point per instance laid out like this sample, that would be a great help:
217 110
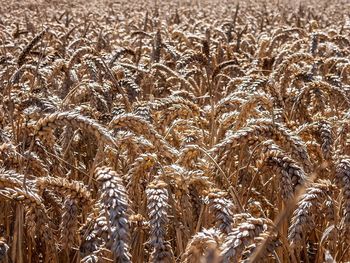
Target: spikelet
79 53
327 140
257 131
202 244
303 220
248 107
165 103
69 224
188 156
9 178
141 126
223 210
272 243
76 121
240 237
120 52
73 189
138 176
114 203
166 69
290 60
29 47
292 175
140 166
37 218
157 206
342 178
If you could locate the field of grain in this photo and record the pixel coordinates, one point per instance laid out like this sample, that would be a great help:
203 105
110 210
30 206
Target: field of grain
174 131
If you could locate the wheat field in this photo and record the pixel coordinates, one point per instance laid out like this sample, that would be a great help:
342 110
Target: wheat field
174 131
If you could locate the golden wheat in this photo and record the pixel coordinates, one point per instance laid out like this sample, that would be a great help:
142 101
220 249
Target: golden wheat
174 131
